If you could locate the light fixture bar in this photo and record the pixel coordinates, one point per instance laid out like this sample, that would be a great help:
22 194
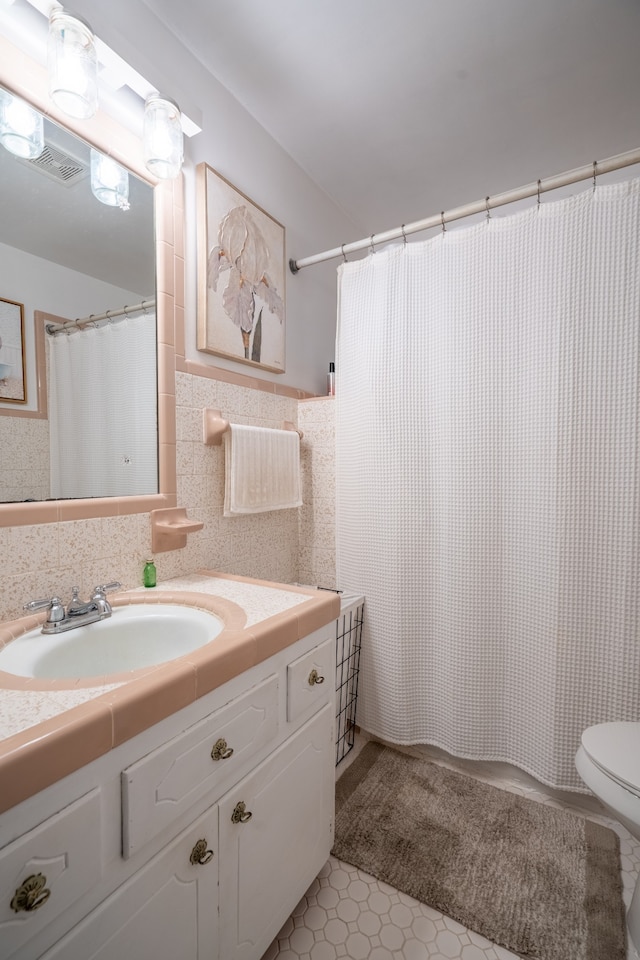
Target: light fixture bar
116 72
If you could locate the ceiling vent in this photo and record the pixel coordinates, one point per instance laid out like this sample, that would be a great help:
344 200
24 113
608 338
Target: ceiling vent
59 165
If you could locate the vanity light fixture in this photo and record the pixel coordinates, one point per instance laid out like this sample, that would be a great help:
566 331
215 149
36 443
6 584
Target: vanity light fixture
162 137
72 65
21 128
109 181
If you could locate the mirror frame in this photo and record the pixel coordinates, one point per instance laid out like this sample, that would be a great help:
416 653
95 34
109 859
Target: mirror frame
27 79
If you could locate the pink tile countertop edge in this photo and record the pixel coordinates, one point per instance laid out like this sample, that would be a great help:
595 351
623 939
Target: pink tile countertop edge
43 752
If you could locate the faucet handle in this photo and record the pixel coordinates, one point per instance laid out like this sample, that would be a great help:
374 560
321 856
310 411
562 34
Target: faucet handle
56 609
107 588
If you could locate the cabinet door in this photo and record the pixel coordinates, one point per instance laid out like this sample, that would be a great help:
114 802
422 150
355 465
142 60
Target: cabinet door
47 869
168 909
269 859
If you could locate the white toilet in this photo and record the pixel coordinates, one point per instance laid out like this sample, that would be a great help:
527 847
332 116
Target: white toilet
609 763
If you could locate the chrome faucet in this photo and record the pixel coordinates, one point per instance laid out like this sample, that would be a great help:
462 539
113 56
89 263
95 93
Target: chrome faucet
77 613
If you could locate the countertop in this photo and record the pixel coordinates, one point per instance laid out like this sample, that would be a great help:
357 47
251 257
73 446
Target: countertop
49 728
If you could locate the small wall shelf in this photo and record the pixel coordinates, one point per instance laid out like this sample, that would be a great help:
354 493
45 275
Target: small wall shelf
170 527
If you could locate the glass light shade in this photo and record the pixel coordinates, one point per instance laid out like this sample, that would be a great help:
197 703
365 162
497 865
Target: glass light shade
72 65
109 181
162 137
21 128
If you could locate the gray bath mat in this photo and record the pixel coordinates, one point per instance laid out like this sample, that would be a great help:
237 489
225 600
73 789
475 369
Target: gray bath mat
541 882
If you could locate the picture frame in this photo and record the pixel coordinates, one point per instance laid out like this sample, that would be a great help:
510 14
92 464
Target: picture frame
13 377
241 275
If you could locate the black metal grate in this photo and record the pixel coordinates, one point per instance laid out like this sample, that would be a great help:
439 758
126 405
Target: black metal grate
348 642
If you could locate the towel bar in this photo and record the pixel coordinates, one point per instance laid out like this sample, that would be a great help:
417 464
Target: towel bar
214 427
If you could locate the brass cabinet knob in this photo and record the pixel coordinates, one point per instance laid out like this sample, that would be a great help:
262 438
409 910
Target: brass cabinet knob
31 894
220 750
240 813
315 678
200 854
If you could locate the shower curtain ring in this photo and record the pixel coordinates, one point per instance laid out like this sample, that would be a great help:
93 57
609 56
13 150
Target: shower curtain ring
486 203
595 174
371 244
343 254
444 226
539 201
404 236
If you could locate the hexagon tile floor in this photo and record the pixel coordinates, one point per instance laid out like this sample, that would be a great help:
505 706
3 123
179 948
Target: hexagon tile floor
346 913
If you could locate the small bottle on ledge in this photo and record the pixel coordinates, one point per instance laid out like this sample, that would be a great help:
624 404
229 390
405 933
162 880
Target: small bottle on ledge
149 574
331 380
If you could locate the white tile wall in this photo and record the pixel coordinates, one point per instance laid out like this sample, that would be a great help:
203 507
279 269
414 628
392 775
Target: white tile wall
317 563
24 442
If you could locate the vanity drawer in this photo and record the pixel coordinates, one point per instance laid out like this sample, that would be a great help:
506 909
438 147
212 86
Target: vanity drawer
311 681
158 788
58 861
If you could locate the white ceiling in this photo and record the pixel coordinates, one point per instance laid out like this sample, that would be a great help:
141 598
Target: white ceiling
400 109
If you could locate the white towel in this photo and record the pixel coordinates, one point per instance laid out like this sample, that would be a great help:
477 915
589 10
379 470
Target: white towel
262 470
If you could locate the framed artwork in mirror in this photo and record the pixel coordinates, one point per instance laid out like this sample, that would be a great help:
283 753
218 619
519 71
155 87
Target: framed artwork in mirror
13 383
241 276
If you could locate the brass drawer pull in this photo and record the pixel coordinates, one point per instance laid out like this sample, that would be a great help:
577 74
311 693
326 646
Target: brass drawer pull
31 894
220 750
240 813
315 678
200 854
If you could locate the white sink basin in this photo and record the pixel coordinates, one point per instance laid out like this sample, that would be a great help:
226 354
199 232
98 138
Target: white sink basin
139 635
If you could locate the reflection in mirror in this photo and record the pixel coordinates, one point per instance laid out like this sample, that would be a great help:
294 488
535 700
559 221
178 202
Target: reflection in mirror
69 255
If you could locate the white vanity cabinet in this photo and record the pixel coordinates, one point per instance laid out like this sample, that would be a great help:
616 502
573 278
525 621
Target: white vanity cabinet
201 834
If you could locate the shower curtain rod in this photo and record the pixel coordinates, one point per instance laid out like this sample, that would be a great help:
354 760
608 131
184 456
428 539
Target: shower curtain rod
53 329
479 206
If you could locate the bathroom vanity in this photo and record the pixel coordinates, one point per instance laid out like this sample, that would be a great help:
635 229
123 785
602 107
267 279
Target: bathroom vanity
196 832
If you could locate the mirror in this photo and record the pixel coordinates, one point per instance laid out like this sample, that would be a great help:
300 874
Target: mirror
64 253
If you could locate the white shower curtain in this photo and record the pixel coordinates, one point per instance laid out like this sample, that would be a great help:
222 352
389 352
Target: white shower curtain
487 480
103 410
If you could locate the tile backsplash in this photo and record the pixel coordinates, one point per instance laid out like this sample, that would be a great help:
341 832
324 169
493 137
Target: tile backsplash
317 516
43 560
25 446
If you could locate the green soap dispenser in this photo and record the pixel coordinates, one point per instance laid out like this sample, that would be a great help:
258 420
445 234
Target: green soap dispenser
149 575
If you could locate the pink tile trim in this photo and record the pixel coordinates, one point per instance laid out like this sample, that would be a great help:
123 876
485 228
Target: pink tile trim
20 514
36 758
150 698
239 379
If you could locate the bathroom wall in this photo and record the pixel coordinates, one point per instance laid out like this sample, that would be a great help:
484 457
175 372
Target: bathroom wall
236 146
317 551
284 545
43 559
24 442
